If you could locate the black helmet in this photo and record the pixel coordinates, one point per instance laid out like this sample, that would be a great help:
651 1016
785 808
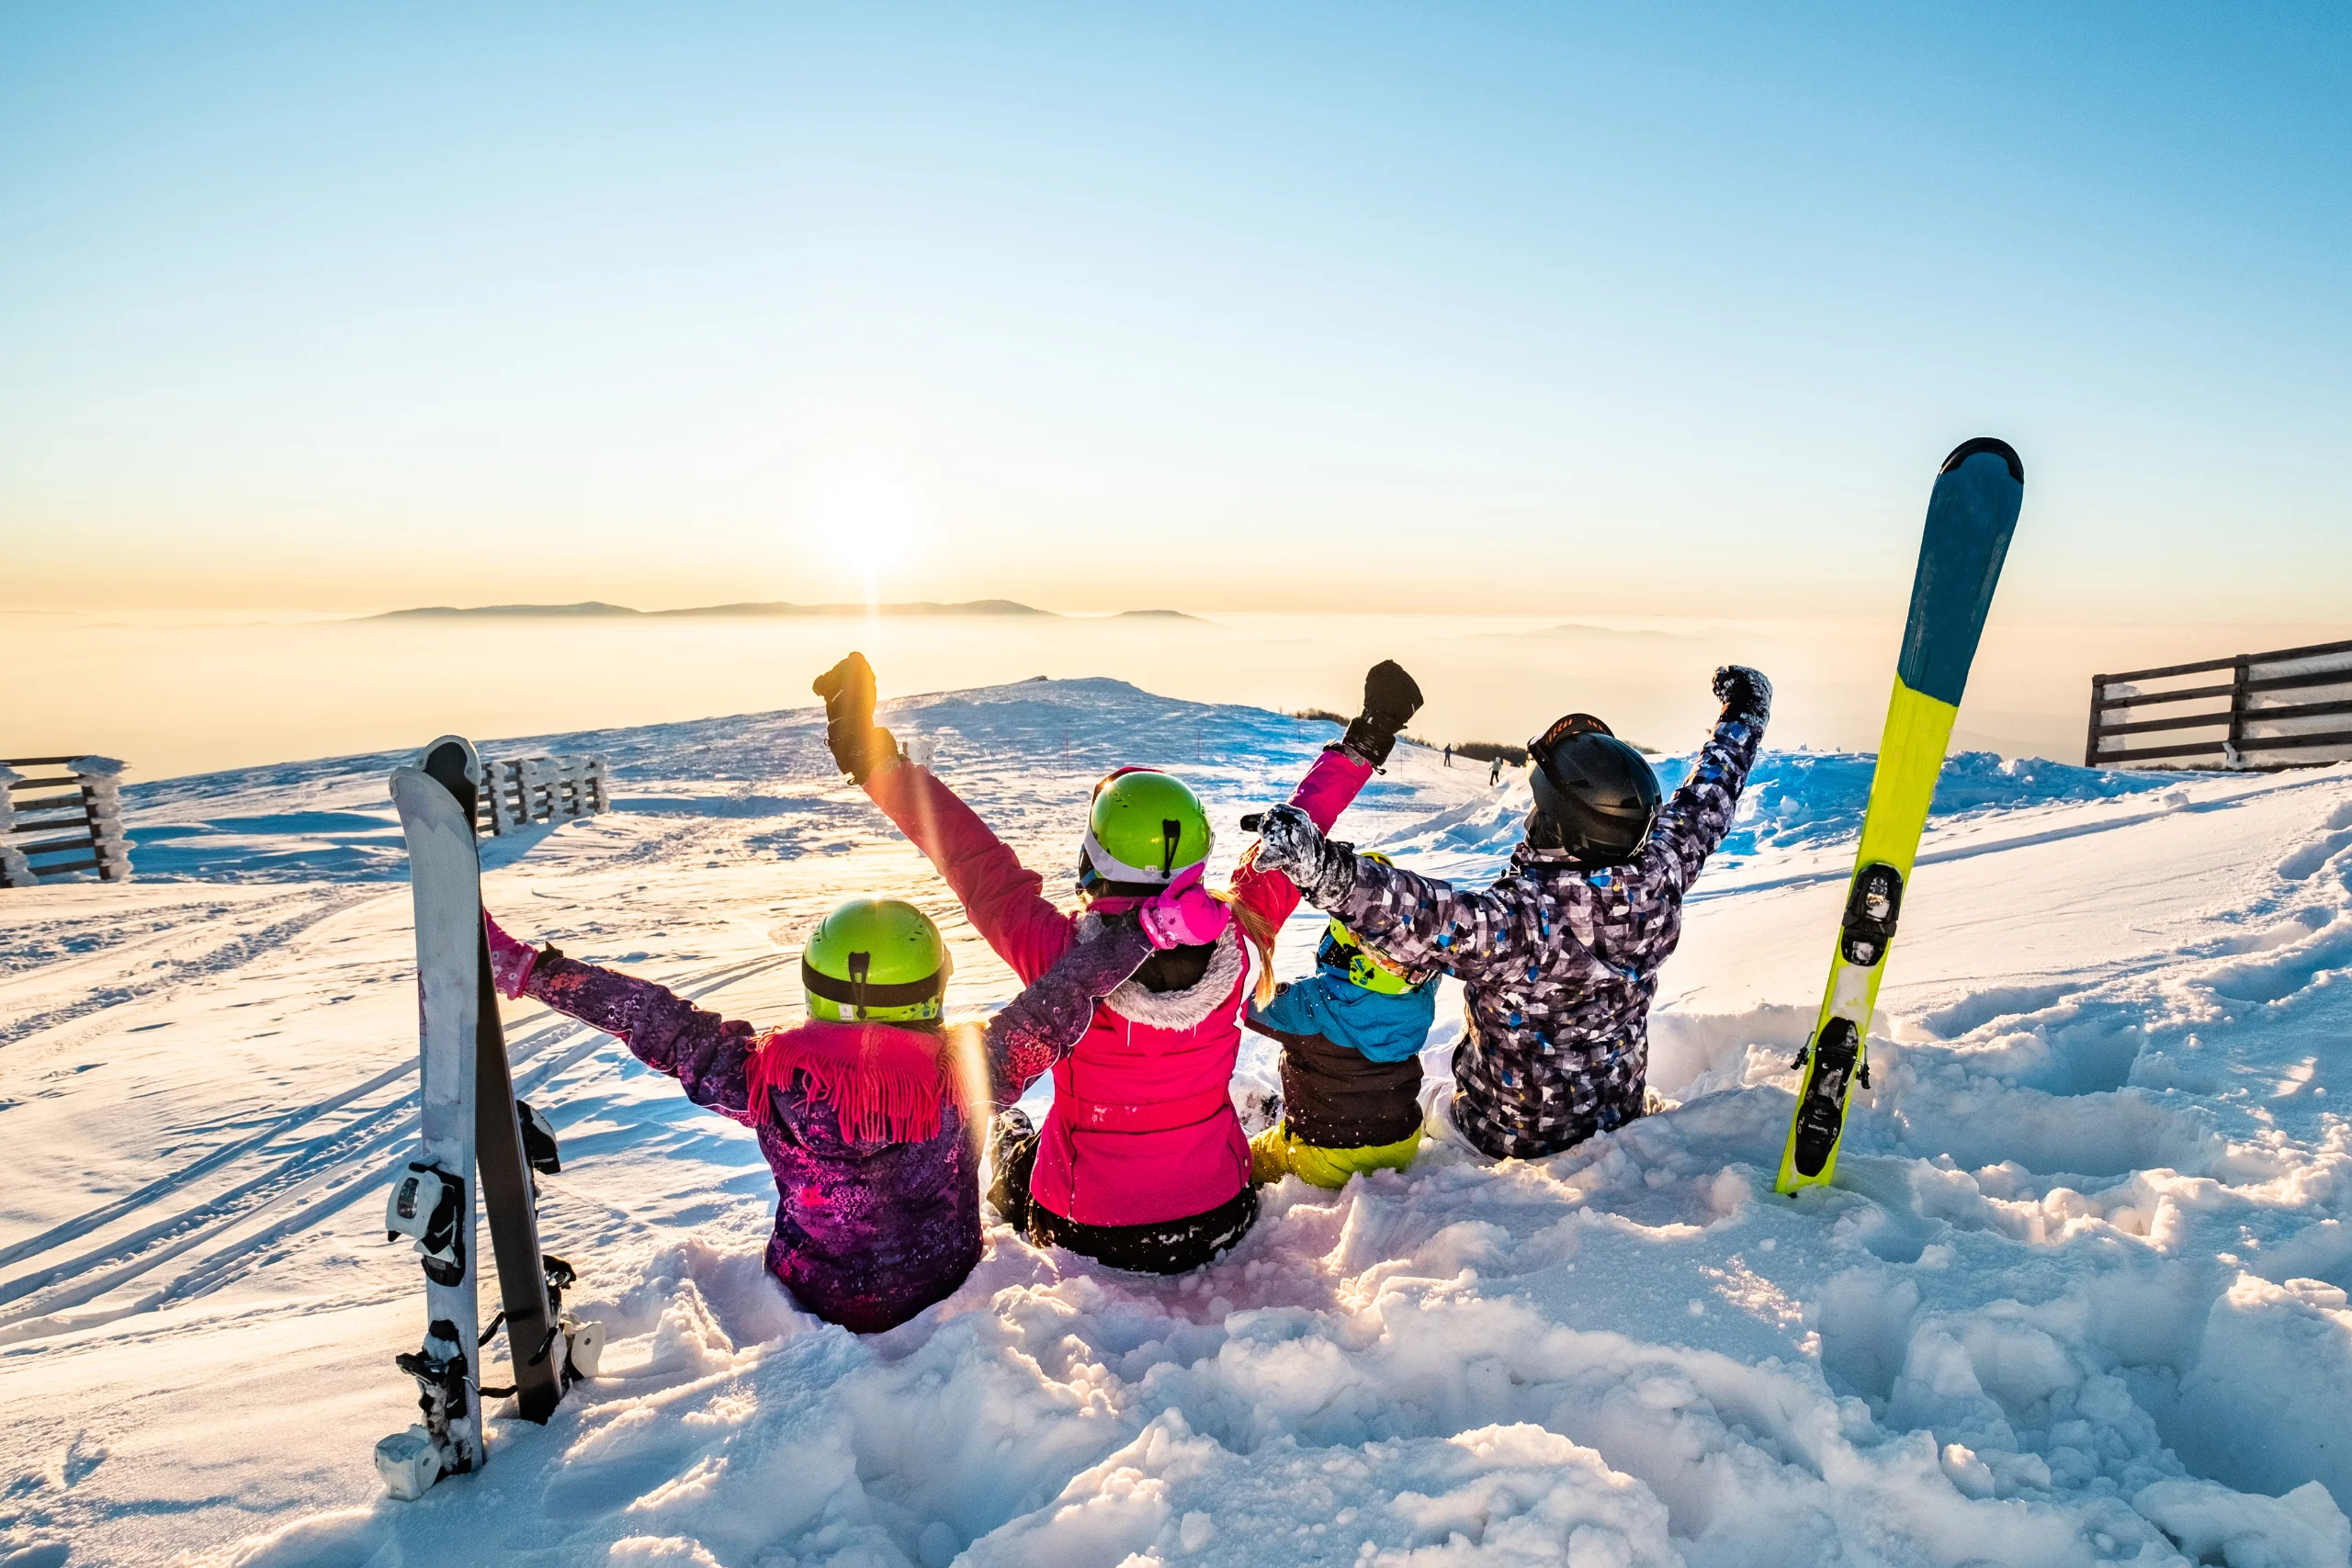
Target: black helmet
1595 796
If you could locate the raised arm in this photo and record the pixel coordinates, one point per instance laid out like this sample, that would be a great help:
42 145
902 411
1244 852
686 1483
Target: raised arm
1418 922
1391 698
1329 786
1002 896
1696 817
702 1051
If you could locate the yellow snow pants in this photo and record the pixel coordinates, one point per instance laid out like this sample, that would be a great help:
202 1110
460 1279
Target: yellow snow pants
1274 1153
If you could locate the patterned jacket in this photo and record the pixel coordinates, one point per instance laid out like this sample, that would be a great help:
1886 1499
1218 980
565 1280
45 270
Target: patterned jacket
1558 963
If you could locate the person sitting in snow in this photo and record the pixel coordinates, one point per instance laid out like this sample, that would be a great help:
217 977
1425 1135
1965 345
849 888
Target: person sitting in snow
1558 958
1141 1163
861 1111
1352 1037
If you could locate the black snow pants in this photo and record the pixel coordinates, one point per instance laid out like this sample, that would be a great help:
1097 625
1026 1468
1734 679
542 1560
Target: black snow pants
1163 1246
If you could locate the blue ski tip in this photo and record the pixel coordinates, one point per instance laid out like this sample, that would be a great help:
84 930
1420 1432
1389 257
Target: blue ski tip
1999 448
1971 515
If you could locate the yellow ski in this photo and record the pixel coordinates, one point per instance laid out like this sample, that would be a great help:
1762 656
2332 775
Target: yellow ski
1971 515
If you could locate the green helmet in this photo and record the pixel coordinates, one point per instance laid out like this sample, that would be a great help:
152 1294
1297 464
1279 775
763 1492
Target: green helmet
1144 827
1340 950
875 960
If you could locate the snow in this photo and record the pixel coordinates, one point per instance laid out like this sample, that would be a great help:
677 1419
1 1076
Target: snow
2079 1295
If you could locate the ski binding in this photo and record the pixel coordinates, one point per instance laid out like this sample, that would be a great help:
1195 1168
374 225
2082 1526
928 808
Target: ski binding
1822 1116
1868 930
412 1461
425 1206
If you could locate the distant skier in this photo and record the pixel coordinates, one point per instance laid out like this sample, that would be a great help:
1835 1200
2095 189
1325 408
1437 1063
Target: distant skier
1559 957
1351 1036
1449 756
859 1110
1141 1163
1495 770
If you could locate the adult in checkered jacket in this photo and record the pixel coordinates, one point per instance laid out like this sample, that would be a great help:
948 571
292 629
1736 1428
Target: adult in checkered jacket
1559 957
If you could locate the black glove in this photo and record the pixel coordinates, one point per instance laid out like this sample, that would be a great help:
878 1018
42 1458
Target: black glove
1390 701
1290 842
858 744
1744 693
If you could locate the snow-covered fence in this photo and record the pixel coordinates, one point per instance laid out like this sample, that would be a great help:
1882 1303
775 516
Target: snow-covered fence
84 806
524 790
2290 708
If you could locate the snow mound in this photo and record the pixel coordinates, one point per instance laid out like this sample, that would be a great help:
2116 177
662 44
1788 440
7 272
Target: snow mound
332 820
1797 800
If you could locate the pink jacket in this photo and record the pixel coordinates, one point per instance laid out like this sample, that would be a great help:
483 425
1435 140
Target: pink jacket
1142 1129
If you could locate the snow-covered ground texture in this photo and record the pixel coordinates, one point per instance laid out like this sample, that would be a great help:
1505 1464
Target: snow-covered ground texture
2078 1297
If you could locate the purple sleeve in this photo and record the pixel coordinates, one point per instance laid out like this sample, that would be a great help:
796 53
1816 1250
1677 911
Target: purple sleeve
702 1051
1044 1022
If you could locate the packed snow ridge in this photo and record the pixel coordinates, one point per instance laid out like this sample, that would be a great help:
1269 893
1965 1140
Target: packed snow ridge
2079 1295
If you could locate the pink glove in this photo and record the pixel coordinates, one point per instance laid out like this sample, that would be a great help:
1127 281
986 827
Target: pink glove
1184 913
510 961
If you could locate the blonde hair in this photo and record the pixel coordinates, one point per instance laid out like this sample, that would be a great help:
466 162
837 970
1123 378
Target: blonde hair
1259 933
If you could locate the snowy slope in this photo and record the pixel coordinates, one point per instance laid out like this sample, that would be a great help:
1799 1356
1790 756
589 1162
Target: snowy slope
2079 1296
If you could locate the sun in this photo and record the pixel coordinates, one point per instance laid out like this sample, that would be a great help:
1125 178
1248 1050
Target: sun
872 525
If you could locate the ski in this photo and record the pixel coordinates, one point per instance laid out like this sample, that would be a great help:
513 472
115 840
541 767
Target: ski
509 1201
432 1199
477 1136
1971 515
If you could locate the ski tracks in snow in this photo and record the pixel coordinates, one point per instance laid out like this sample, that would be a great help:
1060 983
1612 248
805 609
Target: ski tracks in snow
298 1170
148 953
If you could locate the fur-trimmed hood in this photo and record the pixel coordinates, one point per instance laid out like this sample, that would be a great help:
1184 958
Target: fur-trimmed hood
1177 1010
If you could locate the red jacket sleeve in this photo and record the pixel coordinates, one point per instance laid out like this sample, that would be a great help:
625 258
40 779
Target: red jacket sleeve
999 894
1326 790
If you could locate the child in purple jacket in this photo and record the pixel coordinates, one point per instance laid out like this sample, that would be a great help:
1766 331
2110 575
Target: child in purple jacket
870 1114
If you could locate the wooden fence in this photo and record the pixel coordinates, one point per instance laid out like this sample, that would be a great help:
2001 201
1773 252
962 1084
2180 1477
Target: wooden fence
2291 708
524 790
63 819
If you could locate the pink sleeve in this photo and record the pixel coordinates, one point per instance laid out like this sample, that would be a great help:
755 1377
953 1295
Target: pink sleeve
1326 790
1000 894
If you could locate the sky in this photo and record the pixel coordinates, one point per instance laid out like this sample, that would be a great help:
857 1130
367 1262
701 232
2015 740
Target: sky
1373 308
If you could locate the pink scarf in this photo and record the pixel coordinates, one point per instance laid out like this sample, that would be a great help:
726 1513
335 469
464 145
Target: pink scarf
882 1082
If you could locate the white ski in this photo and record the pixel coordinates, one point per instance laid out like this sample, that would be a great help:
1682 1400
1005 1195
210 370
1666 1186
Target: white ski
433 1200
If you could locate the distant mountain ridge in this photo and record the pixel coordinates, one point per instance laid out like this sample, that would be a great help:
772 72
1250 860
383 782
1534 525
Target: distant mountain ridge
756 609
590 607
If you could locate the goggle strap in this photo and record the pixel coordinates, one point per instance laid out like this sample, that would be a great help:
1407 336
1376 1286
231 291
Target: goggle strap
859 992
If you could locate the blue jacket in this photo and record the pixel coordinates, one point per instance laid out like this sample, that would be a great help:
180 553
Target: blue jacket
1383 1028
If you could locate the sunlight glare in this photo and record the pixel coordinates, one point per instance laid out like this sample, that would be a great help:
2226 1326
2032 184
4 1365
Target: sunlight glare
870 523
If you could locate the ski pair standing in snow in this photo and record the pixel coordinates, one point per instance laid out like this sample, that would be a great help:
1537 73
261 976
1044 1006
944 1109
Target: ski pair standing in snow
1141 1163
478 1139
863 1112
1558 958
